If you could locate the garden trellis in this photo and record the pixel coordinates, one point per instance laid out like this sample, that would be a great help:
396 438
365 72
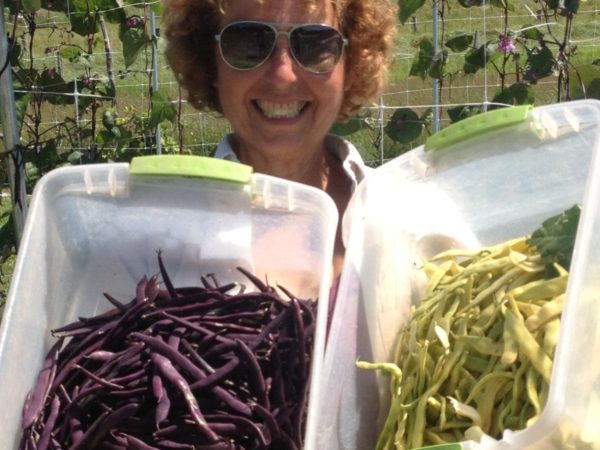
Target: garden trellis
89 82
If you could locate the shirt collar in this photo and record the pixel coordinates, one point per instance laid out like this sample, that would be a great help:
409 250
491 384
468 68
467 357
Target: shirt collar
342 149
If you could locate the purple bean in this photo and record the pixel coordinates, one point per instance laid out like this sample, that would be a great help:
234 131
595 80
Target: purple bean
255 373
255 280
163 407
173 376
228 445
76 430
195 356
196 327
49 425
96 378
166 444
232 364
36 399
134 443
116 303
165 276
160 346
157 386
247 424
101 355
269 420
132 376
247 352
102 426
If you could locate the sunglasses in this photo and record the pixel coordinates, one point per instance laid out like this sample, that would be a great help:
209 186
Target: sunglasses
247 45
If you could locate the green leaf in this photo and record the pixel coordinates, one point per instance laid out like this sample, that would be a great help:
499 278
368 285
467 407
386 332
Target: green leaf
109 119
10 8
584 82
423 60
21 104
134 41
31 6
438 62
475 59
83 17
347 127
54 86
70 52
162 109
112 10
552 4
507 5
516 94
15 55
540 63
555 239
533 34
32 173
75 157
470 3
404 126
461 112
407 9
106 89
569 6
460 43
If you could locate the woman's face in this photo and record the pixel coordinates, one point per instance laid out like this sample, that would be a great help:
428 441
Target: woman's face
279 109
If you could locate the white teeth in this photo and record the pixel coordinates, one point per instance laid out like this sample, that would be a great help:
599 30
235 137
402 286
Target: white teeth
280 110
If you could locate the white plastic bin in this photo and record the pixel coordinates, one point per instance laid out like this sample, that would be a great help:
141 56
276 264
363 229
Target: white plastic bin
485 180
97 228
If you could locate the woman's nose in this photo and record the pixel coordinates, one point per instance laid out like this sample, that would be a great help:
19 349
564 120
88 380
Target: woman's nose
282 65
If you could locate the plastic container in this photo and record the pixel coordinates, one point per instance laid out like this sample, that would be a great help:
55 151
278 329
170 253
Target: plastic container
479 182
97 228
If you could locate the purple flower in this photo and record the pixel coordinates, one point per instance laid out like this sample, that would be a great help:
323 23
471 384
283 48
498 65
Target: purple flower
506 45
52 73
134 22
87 82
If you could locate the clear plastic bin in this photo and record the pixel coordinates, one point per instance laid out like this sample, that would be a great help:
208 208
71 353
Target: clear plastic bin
479 182
97 228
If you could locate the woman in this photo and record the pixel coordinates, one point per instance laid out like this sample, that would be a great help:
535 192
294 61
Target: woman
282 72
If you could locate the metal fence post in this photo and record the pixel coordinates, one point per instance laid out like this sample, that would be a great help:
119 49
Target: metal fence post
14 160
436 83
155 73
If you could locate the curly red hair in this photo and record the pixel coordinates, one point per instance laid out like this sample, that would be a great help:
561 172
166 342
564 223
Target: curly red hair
369 25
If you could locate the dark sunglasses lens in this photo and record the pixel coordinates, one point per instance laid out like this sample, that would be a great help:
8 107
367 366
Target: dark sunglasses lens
316 47
246 45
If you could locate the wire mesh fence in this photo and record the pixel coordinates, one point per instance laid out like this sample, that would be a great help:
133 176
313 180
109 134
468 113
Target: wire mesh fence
91 82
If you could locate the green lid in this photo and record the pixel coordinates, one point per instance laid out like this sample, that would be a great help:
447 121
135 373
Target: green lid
477 125
191 166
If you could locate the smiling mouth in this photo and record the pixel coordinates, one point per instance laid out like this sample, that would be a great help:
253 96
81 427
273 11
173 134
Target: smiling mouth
273 110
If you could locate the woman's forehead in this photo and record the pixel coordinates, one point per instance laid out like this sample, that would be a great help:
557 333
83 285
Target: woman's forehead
301 5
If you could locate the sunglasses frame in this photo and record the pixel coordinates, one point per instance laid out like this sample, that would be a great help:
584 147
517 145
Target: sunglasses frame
290 28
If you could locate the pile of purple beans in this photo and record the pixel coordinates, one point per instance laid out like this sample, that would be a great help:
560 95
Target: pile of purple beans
209 367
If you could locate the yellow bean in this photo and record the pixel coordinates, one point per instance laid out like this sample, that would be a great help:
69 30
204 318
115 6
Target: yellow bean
546 313
528 346
541 289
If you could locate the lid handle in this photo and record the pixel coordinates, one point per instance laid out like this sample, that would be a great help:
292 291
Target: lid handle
191 166
477 125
